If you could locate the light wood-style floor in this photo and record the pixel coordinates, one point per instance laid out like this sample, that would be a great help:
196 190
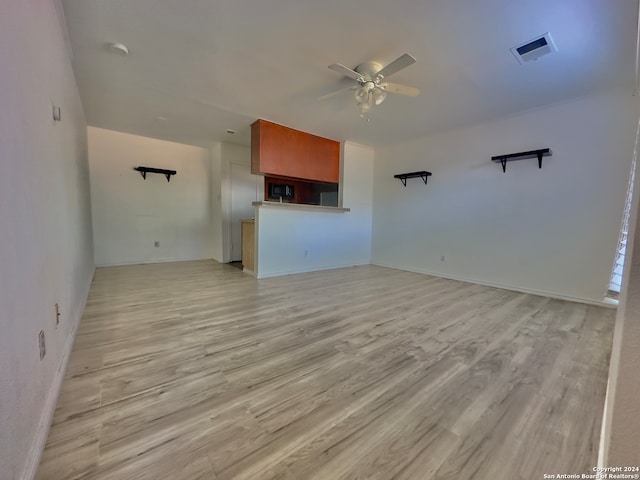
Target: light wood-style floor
197 371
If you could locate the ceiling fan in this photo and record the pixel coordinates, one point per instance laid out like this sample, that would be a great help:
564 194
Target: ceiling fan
372 88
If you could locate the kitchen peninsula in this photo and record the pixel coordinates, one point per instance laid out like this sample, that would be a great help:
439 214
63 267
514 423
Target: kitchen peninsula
302 224
302 206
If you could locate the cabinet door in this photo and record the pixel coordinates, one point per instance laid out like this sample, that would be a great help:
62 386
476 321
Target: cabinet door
285 152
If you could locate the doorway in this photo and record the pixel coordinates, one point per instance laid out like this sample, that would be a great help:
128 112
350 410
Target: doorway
244 191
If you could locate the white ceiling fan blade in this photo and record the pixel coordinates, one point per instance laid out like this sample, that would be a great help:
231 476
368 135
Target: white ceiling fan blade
337 92
346 71
401 89
397 65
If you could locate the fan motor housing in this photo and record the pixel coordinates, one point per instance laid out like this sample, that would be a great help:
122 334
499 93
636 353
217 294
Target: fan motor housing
369 69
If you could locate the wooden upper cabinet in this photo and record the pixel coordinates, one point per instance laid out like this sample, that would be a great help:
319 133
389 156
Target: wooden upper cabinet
285 152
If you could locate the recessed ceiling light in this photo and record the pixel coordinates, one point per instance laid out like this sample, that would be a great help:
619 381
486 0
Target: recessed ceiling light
118 49
230 131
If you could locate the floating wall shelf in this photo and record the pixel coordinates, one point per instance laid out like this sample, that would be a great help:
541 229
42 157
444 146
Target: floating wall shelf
144 170
422 174
503 159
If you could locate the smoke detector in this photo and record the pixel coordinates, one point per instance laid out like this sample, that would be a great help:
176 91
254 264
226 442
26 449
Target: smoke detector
118 49
534 49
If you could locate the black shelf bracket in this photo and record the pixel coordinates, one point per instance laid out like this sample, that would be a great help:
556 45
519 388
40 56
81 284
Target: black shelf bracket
144 170
503 159
424 175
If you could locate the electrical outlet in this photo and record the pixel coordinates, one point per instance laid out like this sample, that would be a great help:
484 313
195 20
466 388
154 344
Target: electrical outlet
41 345
57 315
156 244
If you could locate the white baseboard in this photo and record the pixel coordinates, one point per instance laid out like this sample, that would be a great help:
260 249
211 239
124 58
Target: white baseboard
157 260
250 272
306 270
601 303
40 439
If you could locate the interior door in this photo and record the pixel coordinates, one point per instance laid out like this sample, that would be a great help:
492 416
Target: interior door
243 192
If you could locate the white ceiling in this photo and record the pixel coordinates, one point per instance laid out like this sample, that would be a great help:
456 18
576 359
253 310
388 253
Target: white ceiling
210 65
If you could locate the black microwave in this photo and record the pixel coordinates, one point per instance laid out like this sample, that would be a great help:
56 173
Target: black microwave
277 190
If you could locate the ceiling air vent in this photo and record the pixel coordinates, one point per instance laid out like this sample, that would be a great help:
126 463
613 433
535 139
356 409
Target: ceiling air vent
534 49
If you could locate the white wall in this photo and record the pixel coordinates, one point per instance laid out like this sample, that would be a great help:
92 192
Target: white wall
621 426
330 239
552 231
45 226
622 433
130 214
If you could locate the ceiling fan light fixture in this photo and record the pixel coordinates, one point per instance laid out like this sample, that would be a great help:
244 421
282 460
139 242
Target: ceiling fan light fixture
366 105
378 96
361 95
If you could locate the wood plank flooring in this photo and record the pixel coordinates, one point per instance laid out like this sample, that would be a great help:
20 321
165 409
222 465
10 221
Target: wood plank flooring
194 370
